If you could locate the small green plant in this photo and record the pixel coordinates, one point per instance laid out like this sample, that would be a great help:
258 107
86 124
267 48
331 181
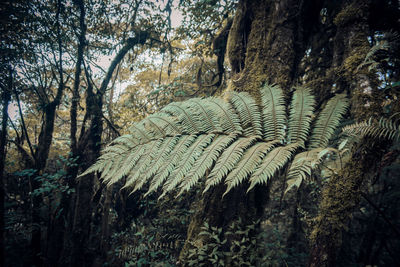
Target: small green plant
210 253
241 245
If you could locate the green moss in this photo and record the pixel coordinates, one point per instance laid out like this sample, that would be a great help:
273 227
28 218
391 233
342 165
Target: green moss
352 62
342 194
347 15
339 198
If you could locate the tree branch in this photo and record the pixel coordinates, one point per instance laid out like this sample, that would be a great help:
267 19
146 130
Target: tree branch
24 126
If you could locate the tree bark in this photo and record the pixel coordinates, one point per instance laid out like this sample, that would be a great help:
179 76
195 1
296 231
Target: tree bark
265 44
79 249
58 225
5 98
318 44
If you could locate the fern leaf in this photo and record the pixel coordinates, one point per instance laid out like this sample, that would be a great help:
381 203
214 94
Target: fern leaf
273 161
301 110
248 164
229 120
177 146
142 164
157 160
274 112
302 166
249 113
189 158
384 128
228 160
165 170
328 121
183 112
128 164
204 110
206 161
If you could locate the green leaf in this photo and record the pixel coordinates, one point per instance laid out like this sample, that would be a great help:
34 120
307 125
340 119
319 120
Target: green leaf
301 111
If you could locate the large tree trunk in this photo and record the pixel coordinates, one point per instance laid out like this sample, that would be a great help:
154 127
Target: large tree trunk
265 44
318 44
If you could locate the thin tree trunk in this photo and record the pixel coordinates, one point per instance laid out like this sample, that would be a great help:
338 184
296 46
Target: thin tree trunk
89 150
58 225
5 97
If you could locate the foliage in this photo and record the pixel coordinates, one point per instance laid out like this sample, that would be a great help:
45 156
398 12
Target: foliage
383 128
154 238
231 139
241 245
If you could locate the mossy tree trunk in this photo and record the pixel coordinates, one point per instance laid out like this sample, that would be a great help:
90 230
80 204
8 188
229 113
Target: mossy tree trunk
265 44
318 44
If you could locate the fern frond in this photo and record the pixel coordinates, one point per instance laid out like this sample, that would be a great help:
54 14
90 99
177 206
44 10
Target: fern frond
142 164
182 112
228 160
229 119
274 160
248 164
302 166
301 110
384 128
176 147
328 121
274 112
248 111
169 165
189 158
206 161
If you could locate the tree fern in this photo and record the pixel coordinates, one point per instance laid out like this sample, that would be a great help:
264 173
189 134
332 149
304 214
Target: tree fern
248 164
274 113
274 160
301 110
219 141
248 112
384 128
328 121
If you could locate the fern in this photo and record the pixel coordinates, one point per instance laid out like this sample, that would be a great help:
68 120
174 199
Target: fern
248 111
328 121
301 110
220 141
384 128
274 113
275 160
248 164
